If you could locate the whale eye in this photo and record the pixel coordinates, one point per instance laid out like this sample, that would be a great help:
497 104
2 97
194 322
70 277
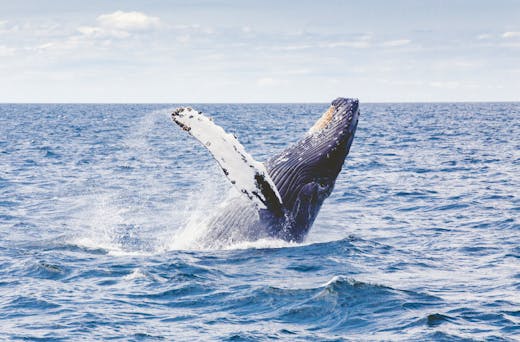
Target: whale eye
322 183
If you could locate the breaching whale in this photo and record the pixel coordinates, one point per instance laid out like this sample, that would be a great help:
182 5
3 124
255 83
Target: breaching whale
282 196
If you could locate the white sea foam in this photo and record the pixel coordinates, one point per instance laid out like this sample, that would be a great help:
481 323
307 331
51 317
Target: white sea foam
262 244
126 222
136 274
139 273
199 209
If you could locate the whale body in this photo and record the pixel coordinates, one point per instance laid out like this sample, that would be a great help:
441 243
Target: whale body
281 197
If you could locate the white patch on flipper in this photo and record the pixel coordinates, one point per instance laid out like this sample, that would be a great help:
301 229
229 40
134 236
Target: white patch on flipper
238 166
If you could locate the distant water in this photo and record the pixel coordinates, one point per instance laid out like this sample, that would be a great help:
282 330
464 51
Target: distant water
100 207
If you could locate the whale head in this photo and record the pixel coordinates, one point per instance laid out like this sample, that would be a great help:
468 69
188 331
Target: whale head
305 173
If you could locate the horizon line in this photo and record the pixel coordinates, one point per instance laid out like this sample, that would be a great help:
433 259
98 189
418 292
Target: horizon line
257 102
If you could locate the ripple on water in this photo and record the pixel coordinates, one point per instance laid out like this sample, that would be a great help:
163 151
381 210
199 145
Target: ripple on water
100 211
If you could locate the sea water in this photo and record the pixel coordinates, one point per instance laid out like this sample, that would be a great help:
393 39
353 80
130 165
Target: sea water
101 208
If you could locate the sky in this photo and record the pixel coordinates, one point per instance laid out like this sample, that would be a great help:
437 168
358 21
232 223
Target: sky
259 51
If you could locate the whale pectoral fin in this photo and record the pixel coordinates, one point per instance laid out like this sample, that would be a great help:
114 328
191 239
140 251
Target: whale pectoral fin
249 176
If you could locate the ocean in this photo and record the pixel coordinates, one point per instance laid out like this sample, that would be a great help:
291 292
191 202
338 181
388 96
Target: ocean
101 206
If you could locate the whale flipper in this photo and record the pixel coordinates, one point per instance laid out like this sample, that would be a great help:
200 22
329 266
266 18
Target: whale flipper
249 176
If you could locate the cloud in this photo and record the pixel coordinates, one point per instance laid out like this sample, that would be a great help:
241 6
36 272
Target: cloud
128 21
357 44
398 42
29 30
90 30
6 51
183 39
303 71
394 82
511 34
458 63
270 82
445 84
5 28
68 44
298 47
192 28
484 36
99 32
120 25
265 81
362 42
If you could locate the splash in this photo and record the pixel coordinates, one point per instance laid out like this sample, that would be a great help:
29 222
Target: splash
263 244
154 216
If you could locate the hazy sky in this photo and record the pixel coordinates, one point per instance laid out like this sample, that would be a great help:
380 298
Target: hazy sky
258 51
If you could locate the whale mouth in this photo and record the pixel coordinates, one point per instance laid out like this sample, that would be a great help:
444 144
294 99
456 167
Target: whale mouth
341 114
323 121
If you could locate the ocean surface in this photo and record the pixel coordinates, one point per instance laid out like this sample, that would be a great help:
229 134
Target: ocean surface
101 207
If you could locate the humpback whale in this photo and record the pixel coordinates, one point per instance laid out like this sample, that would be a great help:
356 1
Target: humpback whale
281 197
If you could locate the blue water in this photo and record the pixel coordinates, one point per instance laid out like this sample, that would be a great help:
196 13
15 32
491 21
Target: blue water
101 207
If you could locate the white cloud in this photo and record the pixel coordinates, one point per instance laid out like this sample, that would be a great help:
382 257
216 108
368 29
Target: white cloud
99 32
357 44
128 21
466 63
458 63
45 46
265 81
413 83
303 71
68 44
484 36
90 30
360 42
511 34
32 29
5 28
191 29
6 51
185 38
445 84
297 47
398 42
120 25
270 82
